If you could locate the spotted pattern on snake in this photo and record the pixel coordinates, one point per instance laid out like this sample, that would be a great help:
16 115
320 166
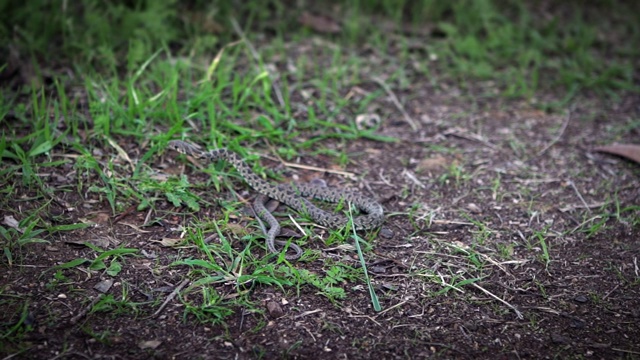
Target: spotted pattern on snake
294 196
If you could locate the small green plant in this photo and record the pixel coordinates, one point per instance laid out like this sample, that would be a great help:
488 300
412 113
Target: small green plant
100 262
212 310
58 279
323 284
542 240
175 190
21 326
505 250
483 233
108 303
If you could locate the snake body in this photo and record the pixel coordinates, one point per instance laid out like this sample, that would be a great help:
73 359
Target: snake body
274 228
295 196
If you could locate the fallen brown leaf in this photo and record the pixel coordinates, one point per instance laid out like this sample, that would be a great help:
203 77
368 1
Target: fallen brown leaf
149 344
169 242
319 23
237 229
10 221
433 163
629 151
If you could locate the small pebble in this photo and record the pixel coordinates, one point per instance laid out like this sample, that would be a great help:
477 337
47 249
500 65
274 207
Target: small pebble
274 309
386 233
581 299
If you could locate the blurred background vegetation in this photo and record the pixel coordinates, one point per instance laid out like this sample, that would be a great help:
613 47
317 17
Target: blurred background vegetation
524 46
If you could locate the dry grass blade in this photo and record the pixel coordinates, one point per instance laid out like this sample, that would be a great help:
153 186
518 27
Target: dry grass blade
518 313
414 125
559 136
170 297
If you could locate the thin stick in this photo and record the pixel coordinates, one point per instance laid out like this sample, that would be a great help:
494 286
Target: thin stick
307 313
580 196
610 292
171 296
84 311
518 313
557 138
55 198
626 351
393 307
464 134
313 168
397 103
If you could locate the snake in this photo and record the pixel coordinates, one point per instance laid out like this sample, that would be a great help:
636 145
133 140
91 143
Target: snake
296 196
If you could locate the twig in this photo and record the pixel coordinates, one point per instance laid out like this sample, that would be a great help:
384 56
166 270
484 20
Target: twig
124 214
626 351
297 225
171 296
610 292
65 354
84 311
306 313
579 195
396 102
55 198
465 134
574 207
390 308
518 313
413 178
350 175
256 57
557 138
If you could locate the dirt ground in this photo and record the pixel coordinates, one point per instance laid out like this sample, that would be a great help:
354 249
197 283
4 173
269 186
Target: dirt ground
583 303
511 239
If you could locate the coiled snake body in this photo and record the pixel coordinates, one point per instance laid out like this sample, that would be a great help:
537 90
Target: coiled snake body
295 196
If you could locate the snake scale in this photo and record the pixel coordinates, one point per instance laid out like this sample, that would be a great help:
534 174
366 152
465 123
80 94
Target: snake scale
294 196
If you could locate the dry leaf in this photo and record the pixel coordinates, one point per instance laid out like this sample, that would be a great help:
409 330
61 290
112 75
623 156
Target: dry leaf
319 23
101 242
103 286
629 151
237 229
98 218
170 242
121 153
11 222
433 163
149 344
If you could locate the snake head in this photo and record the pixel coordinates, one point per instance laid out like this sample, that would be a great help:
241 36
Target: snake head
184 147
177 145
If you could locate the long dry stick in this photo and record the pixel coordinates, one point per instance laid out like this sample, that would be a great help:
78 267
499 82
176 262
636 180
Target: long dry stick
518 313
84 311
396 102
171 296
557 138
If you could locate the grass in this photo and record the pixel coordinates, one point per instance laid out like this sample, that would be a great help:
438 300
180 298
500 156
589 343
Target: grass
98 103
